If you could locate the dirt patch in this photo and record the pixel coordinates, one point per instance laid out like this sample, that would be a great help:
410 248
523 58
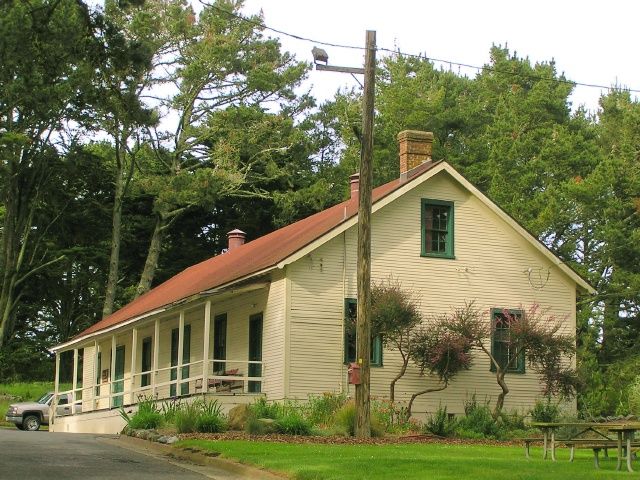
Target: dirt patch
340 440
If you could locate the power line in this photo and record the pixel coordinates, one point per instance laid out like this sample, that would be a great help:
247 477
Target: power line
419 56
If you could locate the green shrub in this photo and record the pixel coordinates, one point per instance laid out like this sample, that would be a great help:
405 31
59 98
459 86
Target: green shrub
254 426
513 420
147 416
292 423
170 409
262 409
185 418
210 423
145 420
470 434
478 419
321 408
441 423
212 407
345 419
545 411
634 397
209 417
392 415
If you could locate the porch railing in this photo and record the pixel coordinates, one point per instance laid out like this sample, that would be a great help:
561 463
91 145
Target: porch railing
223 376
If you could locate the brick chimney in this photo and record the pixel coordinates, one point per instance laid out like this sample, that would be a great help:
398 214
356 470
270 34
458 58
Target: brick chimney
236 238
354 180
415 149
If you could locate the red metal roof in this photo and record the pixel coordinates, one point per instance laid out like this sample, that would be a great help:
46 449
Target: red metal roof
247 259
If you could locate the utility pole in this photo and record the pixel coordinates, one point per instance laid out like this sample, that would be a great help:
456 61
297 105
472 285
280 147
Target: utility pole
363 324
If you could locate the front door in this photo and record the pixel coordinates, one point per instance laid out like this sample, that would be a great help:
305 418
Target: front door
255 351
118 378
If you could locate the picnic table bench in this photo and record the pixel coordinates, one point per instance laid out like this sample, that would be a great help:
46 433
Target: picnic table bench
625 442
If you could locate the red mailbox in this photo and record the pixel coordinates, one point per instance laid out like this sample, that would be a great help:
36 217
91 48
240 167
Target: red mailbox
354 373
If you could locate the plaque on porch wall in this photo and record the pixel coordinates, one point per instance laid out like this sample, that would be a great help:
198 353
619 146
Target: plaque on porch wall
105 375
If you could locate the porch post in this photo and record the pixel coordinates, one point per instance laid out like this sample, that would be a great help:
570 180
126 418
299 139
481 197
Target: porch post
74 381
180 351
156 353
96 374
205 349
113 368
134 351
56 386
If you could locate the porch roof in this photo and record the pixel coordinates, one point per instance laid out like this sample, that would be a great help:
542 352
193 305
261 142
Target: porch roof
253 257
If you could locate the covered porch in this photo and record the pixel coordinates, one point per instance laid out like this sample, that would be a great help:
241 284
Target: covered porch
208 347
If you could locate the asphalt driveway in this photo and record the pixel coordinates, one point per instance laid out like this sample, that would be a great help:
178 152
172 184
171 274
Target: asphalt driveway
69 456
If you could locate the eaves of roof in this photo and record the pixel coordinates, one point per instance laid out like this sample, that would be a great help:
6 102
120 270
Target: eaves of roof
246 260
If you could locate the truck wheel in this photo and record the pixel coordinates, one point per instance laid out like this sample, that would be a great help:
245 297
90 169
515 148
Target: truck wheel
31 423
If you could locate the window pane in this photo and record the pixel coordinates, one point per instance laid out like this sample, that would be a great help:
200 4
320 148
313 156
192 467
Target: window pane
502 348
436 229
145 379
350 350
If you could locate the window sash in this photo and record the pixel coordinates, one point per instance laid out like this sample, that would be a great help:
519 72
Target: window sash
145 378
350 351
219 342
437 228
500 342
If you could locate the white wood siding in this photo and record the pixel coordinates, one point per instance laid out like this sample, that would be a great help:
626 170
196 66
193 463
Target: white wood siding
269 300
491 267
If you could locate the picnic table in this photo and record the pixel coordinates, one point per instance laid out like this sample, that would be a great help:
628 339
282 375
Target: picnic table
626 433
625 438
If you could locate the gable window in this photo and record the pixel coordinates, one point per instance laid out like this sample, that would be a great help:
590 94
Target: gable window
437 228
351 314
501 347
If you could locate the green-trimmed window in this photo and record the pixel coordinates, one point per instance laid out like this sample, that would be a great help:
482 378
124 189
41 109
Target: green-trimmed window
437 228
145 378
501 348
351 314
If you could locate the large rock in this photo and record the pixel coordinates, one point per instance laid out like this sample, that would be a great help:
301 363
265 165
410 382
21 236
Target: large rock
238 417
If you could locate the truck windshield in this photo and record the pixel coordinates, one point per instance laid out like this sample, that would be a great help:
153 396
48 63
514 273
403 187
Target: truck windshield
45 398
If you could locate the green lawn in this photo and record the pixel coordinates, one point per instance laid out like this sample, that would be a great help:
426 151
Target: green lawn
409 461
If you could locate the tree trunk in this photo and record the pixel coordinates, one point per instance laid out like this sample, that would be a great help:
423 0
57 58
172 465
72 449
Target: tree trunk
500 401
610 320
403 370
417 394
114 259
150 265
21 187
9 264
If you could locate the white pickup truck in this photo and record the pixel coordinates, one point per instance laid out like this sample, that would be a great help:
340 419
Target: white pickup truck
30 415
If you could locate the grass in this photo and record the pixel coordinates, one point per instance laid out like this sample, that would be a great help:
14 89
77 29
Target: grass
306 461
25 391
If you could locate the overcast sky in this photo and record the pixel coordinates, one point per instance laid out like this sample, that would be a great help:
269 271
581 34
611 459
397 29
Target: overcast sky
591 42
